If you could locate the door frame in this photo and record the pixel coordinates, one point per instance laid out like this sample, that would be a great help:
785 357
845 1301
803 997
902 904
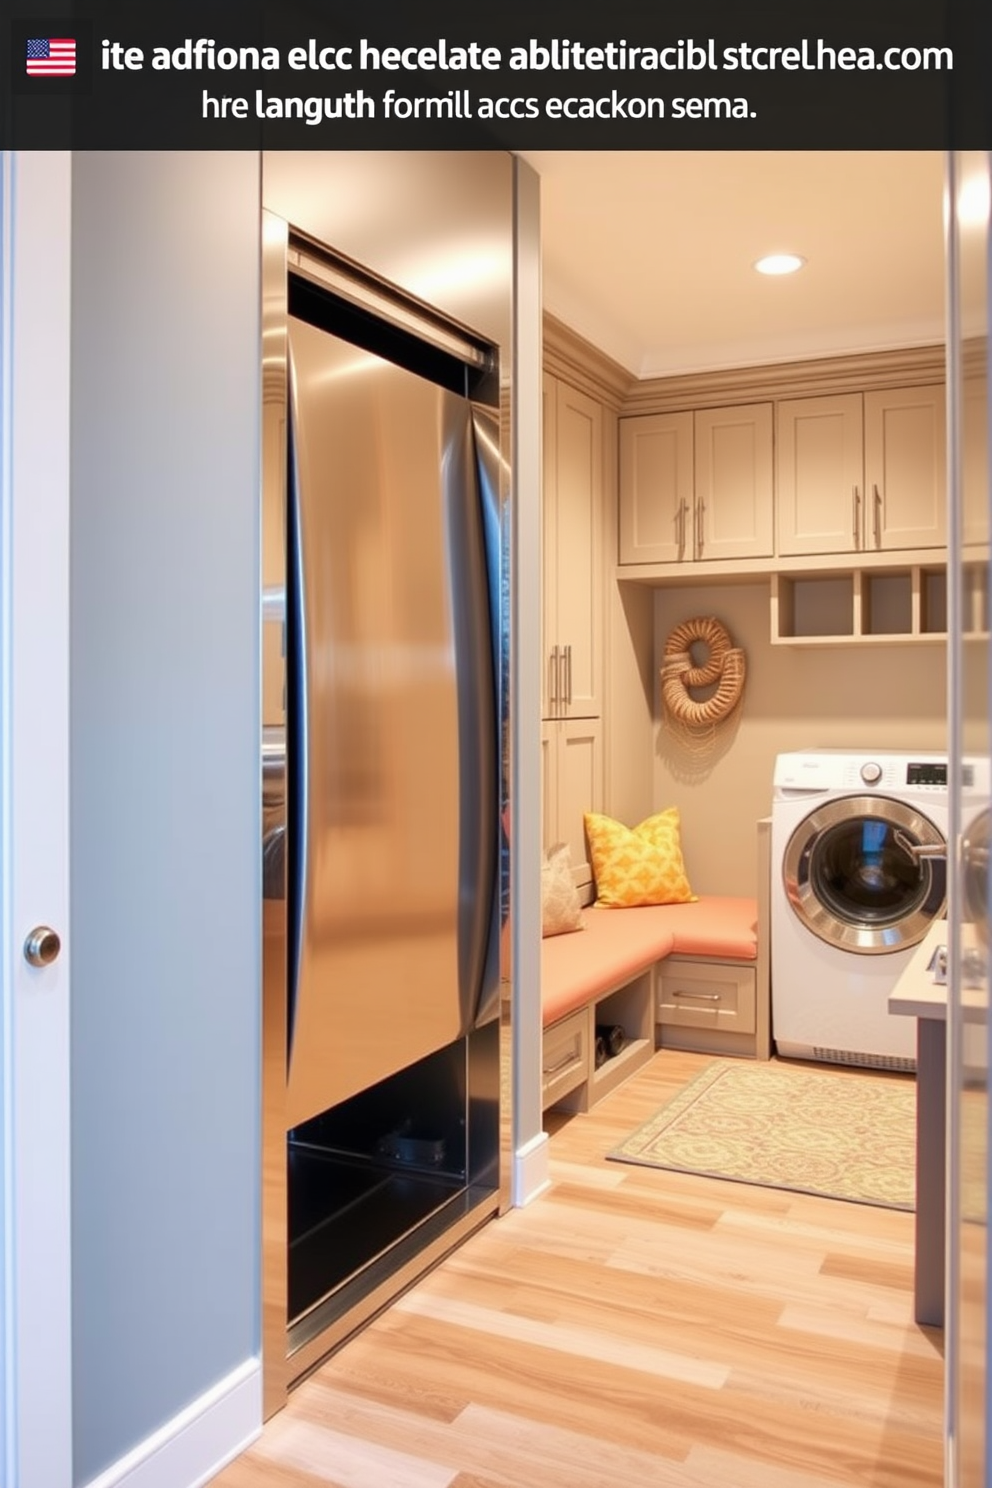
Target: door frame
968 1333
35 1254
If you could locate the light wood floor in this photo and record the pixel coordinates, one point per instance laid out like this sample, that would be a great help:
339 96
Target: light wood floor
634 1327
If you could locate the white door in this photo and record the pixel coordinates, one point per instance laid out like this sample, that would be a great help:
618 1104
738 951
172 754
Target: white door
35 1311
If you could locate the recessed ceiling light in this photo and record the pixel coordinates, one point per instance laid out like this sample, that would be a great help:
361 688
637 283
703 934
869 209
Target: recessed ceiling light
779 263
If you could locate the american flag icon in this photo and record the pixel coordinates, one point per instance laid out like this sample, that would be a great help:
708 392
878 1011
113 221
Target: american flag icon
51 57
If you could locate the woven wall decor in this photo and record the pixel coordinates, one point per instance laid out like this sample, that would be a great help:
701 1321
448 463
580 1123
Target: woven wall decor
723 664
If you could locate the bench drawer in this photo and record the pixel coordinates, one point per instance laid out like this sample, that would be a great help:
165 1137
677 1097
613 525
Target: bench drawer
706 994
565 1056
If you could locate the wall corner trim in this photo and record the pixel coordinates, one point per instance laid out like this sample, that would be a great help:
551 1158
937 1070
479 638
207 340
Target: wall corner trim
531 1171
192 1448
576 361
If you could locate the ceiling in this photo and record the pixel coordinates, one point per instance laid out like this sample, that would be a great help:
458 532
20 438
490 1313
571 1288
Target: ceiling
648 254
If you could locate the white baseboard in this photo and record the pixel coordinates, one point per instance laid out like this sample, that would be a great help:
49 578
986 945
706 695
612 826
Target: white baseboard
531 1170
193 1447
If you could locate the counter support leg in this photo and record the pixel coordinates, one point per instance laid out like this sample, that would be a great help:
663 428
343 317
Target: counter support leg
931 1122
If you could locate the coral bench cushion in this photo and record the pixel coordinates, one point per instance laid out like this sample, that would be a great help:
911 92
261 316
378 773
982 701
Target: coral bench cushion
616 945
724 928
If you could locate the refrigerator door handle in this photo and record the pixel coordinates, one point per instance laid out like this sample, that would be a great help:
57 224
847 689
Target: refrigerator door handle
297 735
471 478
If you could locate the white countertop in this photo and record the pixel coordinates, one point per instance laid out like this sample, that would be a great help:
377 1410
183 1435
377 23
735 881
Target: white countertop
917 994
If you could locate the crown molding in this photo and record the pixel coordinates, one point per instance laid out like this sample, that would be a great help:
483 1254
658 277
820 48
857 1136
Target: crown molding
574 359
904 367
577 361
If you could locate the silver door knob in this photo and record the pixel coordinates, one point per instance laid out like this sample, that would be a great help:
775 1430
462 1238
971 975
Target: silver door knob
42 946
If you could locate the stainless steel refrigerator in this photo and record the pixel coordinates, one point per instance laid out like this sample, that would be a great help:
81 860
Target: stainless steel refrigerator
383 777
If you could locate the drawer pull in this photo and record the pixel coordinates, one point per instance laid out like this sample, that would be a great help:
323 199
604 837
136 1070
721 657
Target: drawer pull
700 996
552 1069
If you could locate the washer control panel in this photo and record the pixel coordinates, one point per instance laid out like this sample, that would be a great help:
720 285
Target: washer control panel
887 771
890 774
928 774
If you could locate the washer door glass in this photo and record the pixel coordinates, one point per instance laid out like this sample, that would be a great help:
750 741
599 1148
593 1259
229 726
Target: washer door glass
852 877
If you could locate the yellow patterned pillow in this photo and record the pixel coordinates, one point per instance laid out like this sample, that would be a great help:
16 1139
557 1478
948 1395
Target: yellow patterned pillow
638 865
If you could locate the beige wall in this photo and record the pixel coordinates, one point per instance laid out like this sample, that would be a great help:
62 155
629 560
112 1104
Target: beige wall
858 696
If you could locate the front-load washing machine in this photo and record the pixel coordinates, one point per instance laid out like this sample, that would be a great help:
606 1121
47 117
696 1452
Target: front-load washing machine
859 872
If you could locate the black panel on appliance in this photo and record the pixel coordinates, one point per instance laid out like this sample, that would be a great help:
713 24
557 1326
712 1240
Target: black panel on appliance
930 774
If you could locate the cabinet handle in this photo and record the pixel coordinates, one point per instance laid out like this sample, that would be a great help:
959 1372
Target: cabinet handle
568 675
698 524
700 996
877 516
553 677
553 1069
857 518
680 527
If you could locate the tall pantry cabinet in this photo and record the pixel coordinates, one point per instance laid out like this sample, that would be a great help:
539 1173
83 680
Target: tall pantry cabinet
572 627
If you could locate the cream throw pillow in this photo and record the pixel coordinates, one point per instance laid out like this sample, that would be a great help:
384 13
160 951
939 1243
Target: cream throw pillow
561 909
638 865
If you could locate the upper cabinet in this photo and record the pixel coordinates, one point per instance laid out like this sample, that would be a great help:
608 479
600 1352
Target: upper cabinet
820 486
825 475
572 670
657 488
733 456
862 472
696 486
906 468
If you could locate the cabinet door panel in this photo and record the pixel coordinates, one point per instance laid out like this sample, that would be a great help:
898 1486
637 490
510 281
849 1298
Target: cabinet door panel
975 461
572 763
579 551
656 488
905 468
820 475
580 785
549 786
733 470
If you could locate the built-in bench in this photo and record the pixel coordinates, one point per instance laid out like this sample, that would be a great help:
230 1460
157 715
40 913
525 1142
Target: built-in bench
686 976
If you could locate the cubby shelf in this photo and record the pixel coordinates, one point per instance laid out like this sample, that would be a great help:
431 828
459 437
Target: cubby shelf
634 1054
631 1008
874 606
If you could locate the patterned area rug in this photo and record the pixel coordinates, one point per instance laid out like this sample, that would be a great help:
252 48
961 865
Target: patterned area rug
850 1137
